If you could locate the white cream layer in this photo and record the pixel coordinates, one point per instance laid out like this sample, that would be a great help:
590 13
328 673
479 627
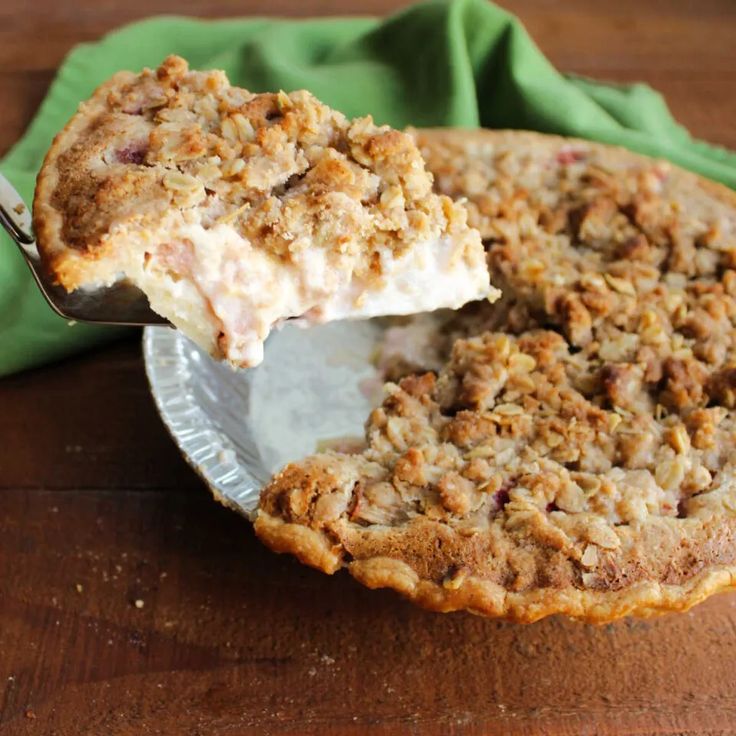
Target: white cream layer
227 295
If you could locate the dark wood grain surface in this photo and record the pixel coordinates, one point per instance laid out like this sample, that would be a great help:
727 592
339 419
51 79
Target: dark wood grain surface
131 603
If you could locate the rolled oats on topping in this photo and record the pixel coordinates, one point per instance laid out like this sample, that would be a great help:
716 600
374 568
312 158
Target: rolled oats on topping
201 127
593 407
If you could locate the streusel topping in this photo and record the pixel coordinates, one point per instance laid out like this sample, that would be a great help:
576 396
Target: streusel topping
284 169
580 433
635 266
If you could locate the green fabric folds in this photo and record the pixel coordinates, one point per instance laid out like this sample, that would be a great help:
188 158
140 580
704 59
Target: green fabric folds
441 62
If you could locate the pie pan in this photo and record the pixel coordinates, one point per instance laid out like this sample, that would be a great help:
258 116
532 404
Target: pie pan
237 427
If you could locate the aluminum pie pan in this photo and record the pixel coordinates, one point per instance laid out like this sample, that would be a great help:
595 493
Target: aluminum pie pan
237 427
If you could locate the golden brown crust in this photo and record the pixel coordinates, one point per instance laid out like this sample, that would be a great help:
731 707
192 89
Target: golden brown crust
479 596
48 222
575 454
307 545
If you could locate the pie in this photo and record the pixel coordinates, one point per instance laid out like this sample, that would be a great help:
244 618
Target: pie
235 211
575 451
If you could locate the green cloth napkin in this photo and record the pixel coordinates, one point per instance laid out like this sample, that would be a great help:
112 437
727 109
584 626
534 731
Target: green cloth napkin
442 62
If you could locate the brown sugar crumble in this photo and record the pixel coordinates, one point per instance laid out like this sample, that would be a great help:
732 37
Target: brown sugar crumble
574 453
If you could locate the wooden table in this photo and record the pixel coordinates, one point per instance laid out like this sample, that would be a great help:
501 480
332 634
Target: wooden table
131 603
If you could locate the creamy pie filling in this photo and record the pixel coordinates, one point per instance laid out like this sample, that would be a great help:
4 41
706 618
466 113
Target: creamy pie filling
227 294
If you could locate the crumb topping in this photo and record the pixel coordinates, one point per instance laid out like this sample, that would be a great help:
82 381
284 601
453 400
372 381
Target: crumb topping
581 432
285 170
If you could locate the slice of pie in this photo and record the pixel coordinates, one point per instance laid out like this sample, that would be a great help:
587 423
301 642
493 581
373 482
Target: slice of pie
576 453
235 211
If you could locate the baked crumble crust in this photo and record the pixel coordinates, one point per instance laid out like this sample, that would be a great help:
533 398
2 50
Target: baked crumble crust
575 453
173 178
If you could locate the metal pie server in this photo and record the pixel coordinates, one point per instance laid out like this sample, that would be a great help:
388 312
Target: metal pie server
120 304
